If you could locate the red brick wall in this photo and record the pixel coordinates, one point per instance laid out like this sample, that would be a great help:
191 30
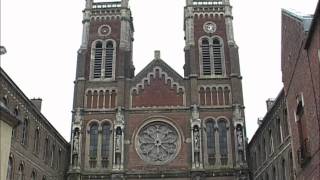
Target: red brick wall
157 93
297 79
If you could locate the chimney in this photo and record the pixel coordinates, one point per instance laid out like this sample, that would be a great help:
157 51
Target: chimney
260 120
270 103
156 54
37 102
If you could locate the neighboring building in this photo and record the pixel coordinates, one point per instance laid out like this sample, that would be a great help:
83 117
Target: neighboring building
300 69
157 124
275 154
270 148
36 150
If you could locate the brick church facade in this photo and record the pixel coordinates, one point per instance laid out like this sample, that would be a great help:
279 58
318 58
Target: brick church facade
158 124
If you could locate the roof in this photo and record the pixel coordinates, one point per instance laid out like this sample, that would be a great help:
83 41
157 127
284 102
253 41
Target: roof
316 18
305 19
6 77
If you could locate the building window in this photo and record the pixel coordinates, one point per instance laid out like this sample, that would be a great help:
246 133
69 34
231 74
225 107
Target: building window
97 65
291 173
10 169
5 100
103 59
274 173
93 145
280 130
206 62
24 134
105 148
59 159
53 149
211 141
217 56
283 168
223 142
212 57
36 140
46 149
271 142
33 175
285 121
109 60
264 153
20 172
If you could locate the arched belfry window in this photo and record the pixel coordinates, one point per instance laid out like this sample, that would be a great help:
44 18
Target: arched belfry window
105 144
210 141
109 60
223 141
211 56
97 65
103 57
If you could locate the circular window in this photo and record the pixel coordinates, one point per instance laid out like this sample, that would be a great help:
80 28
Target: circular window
157 142
209 27
104 30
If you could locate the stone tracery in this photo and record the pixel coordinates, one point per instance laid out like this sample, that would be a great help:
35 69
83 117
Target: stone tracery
158 142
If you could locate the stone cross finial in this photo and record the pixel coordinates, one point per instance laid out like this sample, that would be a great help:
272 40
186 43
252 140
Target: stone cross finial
156 54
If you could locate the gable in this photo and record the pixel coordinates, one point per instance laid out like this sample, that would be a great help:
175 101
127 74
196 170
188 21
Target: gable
157 89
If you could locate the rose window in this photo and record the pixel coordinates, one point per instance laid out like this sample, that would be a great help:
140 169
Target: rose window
158 143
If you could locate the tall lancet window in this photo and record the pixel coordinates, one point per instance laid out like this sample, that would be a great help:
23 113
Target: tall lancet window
206 62
105 144
223 141
217 56
93 141
109 60
97 65
210 141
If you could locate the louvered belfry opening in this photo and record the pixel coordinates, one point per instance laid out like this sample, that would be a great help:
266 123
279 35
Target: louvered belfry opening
206 63
109 60
97 60
217 57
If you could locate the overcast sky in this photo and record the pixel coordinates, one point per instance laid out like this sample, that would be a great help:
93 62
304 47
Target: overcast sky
42 38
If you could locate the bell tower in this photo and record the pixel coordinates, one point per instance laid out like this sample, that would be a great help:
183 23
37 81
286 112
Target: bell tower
208 38
212 61
104 64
